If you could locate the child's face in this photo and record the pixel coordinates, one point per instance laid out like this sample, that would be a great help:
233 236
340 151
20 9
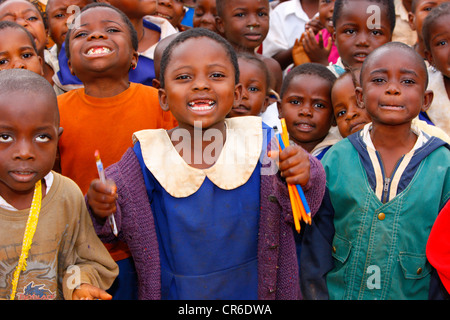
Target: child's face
439 54
326 8
135 8
417 18
349 117
172 10
26 14
393 87
245 23
199 84
354 39
205 13
254 90
18 52
101 44
57 18
28 142
306 107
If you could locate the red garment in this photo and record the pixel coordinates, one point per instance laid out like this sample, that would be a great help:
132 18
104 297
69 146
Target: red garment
438 246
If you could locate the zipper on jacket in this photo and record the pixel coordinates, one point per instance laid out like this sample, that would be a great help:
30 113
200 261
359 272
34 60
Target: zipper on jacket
387 182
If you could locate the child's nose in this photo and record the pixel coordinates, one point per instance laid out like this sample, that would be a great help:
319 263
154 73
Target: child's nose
97 35
305 110
362 39
18 64
392 88
167 3
24 150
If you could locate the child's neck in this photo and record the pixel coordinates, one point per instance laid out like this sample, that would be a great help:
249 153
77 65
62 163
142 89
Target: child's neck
420 48
22 201
146 37
392 142
310 7
106 87
48 71
203 150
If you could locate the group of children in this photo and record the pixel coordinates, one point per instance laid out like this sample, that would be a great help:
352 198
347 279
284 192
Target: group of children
186 121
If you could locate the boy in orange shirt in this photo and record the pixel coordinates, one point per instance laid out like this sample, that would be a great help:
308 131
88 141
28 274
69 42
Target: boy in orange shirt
109 109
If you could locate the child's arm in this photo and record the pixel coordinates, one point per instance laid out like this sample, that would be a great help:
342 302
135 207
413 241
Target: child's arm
89 268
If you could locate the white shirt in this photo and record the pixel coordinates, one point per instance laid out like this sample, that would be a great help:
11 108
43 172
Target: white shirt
287 23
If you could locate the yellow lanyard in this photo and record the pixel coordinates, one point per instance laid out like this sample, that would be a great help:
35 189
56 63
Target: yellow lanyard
28 236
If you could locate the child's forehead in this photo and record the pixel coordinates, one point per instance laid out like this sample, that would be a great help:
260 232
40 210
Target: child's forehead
390 58
14 5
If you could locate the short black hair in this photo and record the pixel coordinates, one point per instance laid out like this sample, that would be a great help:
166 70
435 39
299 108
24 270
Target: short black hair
9 24
24 81
398 45
38 7
388 4
310 68
131 29
442 10
197 33
259 62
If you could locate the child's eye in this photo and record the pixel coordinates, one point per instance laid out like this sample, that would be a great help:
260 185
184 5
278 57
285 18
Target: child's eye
27 55
111 30
441 43
80 34
217 75
239 14
340 113
32 18
253 89
377 80
349 31
42 138
377 32
409 81
5 137
262 14
319 105
295 101
182 77
3 61
59 16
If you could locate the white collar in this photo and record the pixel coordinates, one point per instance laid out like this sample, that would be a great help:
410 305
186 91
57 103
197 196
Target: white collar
421 138
233 168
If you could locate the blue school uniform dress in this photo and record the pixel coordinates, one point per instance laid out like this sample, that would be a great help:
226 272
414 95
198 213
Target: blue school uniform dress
206 220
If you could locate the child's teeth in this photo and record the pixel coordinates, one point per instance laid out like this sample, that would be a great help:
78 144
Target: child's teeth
98 50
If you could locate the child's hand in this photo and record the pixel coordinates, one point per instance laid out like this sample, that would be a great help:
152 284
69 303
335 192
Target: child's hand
299 55
294 165
102 197
89 292
316 50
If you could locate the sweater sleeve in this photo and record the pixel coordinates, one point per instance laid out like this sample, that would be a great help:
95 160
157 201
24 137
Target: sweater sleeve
87 260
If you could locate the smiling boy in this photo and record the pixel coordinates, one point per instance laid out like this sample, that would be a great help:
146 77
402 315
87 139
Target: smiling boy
387 184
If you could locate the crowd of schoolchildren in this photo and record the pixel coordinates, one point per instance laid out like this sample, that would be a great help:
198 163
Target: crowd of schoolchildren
140 151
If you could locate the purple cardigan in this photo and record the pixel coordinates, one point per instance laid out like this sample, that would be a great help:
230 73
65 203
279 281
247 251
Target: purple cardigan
278 276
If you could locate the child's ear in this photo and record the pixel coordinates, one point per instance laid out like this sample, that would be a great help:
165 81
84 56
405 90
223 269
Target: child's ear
427 99
280 111
238 92
60 131
70 67
429 57
412 21
220 26
134 59
359 97
41 61
265 104
162 96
